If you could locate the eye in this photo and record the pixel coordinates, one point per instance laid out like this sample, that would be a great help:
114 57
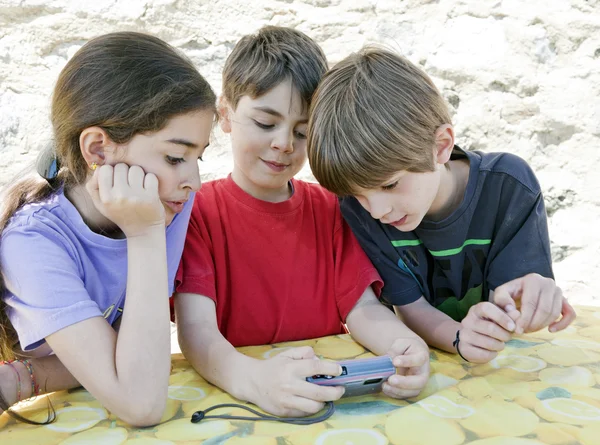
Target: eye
263 126
391 186
200 159
174 161
300 134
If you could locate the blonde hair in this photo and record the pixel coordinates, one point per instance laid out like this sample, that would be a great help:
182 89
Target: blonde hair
261 61
373 115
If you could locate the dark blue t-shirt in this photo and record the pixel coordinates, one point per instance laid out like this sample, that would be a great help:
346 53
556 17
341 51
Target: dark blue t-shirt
498 233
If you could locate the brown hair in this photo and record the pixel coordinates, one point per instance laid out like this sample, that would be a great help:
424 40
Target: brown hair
374 114
261 61
126 83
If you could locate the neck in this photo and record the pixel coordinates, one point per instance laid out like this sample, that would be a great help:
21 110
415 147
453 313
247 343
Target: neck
96 221
453 183
273 195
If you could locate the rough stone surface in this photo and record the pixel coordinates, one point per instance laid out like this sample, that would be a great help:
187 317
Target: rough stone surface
521 77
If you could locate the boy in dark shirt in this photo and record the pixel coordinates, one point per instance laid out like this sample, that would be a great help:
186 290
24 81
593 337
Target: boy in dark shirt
460 238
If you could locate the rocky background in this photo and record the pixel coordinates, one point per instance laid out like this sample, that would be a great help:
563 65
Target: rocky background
520 76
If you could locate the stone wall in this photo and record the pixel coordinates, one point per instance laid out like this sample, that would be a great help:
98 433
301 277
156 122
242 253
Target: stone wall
521 76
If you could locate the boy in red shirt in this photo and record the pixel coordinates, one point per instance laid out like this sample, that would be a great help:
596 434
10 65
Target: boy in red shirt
269 258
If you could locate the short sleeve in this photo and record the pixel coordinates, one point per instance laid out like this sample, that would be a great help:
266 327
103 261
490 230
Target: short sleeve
354 272
196 273
523 235
399 286
46 291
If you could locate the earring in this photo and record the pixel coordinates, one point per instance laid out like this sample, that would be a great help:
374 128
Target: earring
94 166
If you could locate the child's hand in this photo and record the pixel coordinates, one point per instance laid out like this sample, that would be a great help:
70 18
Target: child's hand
280 385
410 356
128 197
484 331
541 303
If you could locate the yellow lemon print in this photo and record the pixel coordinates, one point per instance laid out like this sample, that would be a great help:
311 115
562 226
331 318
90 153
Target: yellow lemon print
415 426
442 407
589 434
351 436
275 429
503 440
499 418
590 331
478 388
512 390
571 411
186 393
147 441
519 363
436 383
572 375
99 436
183 429
20 434
336 348
251 440
73 419
568 356
575 343
557 433
453 370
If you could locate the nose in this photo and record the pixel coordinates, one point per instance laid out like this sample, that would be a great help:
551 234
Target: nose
284 140
192 179
377 205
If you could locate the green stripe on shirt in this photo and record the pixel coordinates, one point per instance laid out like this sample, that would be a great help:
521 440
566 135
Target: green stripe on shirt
447 252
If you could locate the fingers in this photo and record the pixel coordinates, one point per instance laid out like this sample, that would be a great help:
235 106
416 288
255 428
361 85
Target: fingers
568 315
547 310
470 337
476 354
402 387
411 360
319 393
499 318
105 175
299 407
308 368
300 353
136 177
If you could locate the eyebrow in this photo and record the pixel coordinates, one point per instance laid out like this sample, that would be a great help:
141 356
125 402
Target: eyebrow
184 142
276 113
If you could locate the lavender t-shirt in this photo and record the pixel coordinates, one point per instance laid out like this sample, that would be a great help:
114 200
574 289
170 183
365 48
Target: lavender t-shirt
58 272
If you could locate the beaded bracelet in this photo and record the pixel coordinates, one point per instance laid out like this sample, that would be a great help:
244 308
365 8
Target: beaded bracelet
35 389
10 363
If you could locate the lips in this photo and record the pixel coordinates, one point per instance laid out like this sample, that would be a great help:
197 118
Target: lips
275 166
175 206
398 222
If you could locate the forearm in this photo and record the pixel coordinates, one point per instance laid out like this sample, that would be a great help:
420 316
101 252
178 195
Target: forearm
142 351
215 359
431 324
50 375
374 326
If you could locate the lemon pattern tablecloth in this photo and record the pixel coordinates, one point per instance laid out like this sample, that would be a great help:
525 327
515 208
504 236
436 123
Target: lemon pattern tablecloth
542 389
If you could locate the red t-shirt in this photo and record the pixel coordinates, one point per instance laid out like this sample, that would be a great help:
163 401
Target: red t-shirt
276 271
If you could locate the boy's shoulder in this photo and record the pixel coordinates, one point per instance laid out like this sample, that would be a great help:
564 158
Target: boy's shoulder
505 166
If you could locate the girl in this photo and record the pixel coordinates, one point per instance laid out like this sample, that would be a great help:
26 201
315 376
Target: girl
131 117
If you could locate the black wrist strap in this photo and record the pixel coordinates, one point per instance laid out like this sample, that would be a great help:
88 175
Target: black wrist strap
200 415
455 344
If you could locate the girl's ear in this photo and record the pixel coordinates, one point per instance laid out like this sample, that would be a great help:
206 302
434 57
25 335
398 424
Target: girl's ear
96 146
444 143
224 114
